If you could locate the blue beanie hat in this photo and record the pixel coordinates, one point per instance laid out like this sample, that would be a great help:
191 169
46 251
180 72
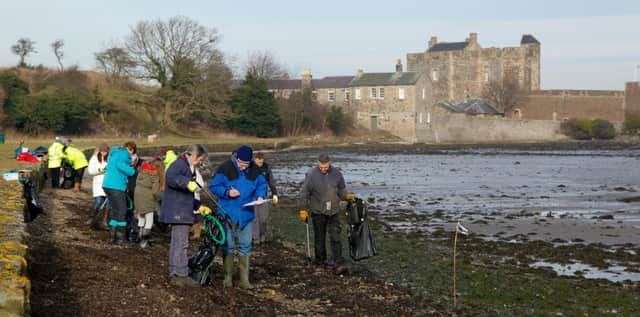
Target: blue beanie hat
244 153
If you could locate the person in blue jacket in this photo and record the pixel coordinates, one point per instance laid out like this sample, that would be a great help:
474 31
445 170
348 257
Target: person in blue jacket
237 182
177 209
114 185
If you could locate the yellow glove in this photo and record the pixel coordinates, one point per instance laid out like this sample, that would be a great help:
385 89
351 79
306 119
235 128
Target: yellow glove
304 215
274 200
204 210
192 186
350 197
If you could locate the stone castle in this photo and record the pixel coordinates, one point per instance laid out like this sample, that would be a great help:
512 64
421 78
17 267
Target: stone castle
460 70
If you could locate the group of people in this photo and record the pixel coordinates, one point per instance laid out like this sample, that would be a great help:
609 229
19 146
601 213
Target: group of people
171 184
62 150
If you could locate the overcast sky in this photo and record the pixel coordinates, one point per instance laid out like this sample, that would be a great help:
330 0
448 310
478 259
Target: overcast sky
585 44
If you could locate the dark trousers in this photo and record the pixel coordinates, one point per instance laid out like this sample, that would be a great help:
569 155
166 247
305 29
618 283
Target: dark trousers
118 201
178 260
77 175
321 225
55 177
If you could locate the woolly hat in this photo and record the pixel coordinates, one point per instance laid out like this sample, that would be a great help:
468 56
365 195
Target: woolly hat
244 153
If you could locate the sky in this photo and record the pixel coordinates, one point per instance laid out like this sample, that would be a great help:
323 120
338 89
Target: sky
585 44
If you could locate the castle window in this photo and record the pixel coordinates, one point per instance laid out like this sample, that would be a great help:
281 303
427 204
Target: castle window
381 95
332 95
372 95
434 75
424 93
401 94
347 94
358 94
486 73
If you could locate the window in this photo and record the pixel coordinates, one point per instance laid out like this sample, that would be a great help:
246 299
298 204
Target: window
424 93
358 95
434 75
428 117
332 95
381 94
401 94
347 94
373 93
420 120
486 73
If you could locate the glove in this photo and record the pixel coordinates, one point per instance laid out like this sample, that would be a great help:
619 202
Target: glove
304 215
274 200
204 210
192 186
350 197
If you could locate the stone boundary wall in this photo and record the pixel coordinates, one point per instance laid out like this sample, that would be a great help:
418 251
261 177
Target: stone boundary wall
453 128
632 98
15 286
566 104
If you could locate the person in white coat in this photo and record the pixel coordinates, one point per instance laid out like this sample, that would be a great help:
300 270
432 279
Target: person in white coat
97 167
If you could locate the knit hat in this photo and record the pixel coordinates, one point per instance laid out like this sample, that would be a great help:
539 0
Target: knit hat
244 153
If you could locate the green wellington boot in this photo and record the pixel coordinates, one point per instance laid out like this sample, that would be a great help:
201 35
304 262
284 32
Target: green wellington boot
244 273
228 271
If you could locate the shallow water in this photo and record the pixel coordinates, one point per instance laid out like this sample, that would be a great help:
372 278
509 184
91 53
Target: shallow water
614 273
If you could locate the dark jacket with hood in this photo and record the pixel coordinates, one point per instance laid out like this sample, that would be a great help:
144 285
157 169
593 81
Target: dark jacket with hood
265 171
178 203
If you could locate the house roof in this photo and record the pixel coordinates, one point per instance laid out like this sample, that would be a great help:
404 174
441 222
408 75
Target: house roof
326 82
452 46
529 39
471 106
386 79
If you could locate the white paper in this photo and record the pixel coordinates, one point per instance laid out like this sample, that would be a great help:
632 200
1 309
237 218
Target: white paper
256 203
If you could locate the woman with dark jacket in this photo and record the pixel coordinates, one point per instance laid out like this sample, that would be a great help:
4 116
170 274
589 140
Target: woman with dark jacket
178 204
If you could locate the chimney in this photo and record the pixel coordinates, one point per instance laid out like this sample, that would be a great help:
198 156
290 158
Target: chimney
398 66
306 78
433 41
359 73
473 38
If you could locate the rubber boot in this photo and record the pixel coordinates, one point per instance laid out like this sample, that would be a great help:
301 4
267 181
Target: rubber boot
244 273
144 238
92 217
121 235
197 229
76 187
112 235
228 271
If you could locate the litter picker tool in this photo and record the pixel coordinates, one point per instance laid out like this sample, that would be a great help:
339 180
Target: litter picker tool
464 231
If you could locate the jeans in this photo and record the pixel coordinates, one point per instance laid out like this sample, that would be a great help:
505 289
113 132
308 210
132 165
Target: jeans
178 260
98 200
322 224
244 239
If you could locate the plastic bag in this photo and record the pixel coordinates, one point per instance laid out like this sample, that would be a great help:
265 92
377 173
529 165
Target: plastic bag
361 244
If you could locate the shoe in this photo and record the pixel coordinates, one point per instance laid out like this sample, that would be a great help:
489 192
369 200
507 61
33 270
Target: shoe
183 281
112 235
76 187
121 234
244 273
228 271
341 269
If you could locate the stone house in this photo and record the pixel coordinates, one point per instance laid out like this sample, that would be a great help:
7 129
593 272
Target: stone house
394 101
460 70
330 91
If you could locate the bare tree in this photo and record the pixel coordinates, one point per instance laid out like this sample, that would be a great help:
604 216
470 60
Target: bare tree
504 93
23 48
264 65
115 62
182 57
56 46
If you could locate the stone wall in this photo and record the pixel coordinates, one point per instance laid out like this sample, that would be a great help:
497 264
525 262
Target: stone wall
14 283
632 98
561 104
452 128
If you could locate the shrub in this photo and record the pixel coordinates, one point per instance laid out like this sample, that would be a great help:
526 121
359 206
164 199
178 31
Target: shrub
336 120
58 111
632 124
255 109
603 129
14 88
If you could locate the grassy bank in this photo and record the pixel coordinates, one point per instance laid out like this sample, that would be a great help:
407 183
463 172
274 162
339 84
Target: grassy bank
489 281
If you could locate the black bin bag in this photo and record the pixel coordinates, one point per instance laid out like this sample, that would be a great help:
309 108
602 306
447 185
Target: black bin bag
361 243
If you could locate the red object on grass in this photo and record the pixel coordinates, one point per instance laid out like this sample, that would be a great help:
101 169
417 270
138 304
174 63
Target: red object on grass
26 157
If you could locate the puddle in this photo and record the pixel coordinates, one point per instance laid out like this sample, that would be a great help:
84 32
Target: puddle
614 273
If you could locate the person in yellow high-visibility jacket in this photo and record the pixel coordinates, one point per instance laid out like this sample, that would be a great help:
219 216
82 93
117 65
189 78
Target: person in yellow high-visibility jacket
169 157
78 161
54 161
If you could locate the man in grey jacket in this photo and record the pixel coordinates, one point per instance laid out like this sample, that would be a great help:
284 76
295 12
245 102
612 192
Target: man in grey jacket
321 194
